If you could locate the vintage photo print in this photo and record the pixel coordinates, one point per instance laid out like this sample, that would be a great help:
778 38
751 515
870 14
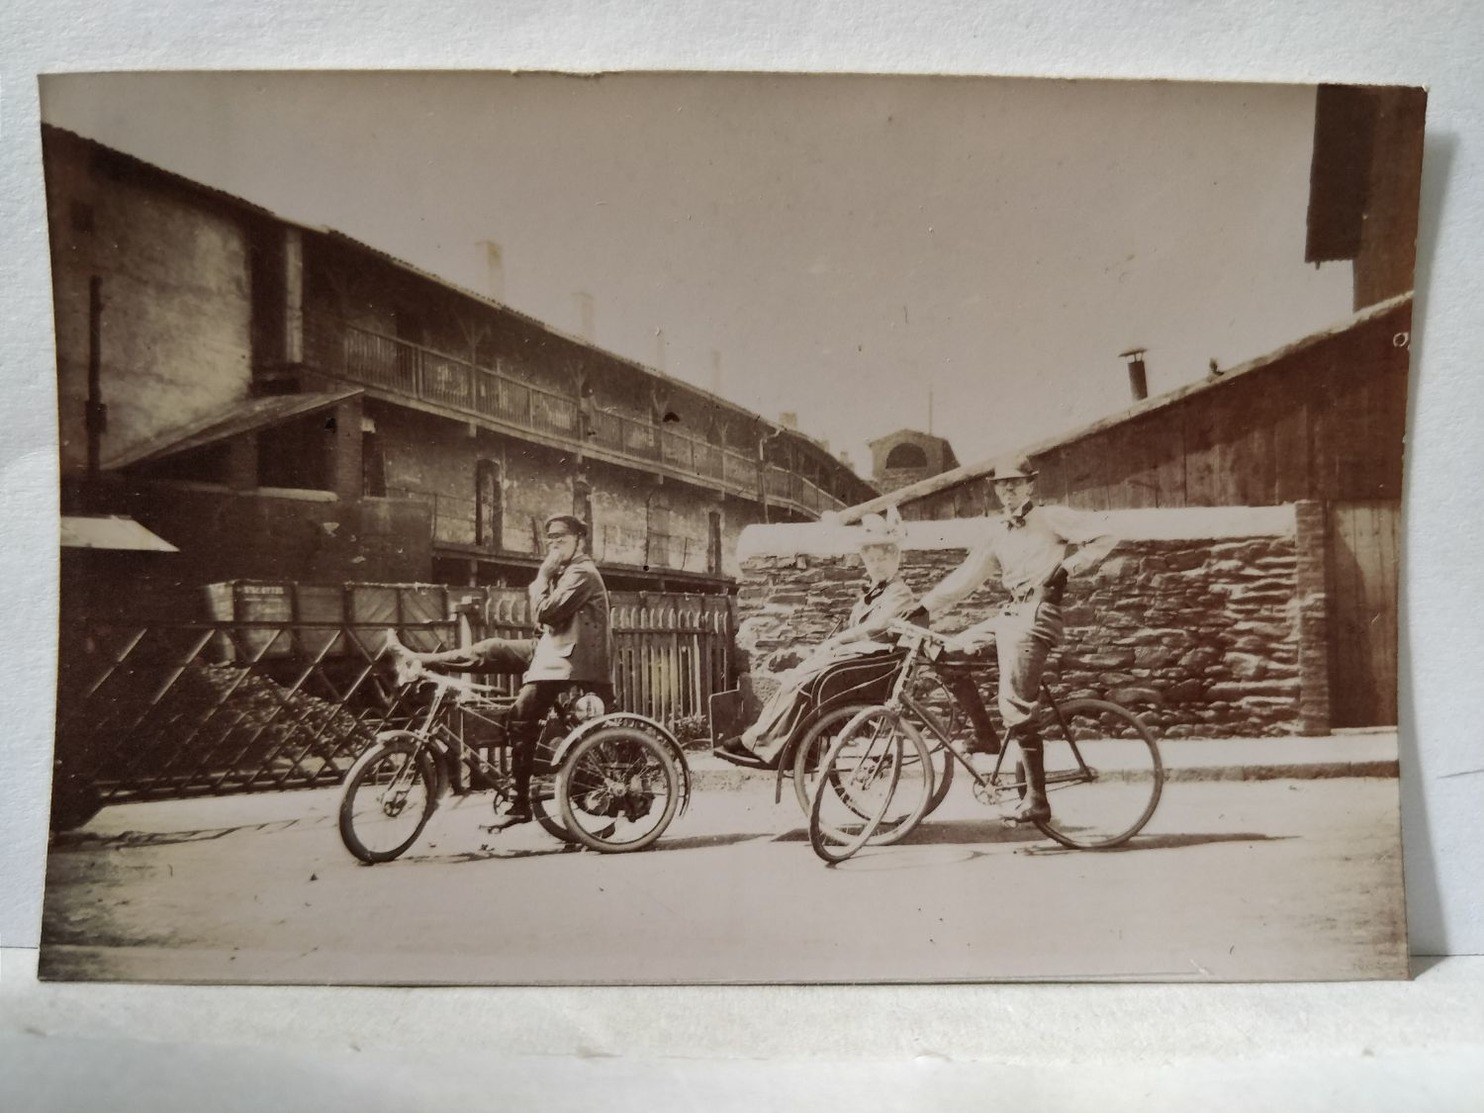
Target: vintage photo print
657 528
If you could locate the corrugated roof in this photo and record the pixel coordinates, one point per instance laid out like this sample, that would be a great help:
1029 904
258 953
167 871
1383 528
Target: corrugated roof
111 533
228 422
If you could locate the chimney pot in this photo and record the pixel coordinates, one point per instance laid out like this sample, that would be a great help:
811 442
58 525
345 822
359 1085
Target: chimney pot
585 316
494 263
1138 379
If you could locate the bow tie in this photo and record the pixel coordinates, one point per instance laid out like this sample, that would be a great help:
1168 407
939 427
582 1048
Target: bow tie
1017 518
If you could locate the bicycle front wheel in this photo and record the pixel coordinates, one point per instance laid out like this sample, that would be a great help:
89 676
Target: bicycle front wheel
618 789
390 793
1103 774
548 815
873 786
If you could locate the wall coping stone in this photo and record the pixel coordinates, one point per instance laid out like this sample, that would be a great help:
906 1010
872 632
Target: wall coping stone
830 537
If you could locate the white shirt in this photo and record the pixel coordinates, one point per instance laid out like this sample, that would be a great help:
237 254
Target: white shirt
1023 550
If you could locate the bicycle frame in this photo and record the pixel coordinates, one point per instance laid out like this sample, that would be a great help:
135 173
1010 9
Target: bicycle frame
431 726
924 647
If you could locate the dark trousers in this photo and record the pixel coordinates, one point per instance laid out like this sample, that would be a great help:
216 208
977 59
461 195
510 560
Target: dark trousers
533 701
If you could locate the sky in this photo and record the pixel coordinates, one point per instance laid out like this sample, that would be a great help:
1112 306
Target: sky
966 255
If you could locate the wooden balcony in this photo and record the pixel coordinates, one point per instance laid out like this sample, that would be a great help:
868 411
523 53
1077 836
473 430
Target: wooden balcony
401 371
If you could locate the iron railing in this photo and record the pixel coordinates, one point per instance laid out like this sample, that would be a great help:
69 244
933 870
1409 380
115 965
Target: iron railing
378 361
148 711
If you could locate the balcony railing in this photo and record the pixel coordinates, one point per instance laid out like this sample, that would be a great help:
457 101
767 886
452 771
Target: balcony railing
391 364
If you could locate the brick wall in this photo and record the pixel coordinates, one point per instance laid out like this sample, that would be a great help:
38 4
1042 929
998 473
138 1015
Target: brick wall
1203 620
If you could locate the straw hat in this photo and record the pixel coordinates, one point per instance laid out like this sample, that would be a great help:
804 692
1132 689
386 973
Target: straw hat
1012 467
877 529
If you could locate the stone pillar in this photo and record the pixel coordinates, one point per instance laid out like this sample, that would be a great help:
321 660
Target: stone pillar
293 296
346 467
242 463
1310 584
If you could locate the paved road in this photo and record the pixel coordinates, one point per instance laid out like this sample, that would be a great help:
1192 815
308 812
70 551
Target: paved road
1267 879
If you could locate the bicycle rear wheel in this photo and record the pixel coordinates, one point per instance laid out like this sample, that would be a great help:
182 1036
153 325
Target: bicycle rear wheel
390 793
874 785
618 789
1104 775
813 747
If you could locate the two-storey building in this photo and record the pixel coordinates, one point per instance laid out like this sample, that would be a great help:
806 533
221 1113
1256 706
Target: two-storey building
280 401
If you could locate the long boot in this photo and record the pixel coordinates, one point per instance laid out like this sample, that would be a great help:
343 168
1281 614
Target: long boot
1033 806
522 760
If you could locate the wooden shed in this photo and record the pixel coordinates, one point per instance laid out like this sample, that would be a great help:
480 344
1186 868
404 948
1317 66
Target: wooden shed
1322 419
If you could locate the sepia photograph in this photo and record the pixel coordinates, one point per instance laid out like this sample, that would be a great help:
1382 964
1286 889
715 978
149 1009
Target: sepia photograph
654 528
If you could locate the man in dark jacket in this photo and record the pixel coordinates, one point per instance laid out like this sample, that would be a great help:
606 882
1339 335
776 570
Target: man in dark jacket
569 605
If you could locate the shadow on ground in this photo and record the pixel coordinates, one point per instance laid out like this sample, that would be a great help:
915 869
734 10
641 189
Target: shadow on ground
1169 841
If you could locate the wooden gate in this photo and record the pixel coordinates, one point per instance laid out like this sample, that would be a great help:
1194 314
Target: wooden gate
1364 542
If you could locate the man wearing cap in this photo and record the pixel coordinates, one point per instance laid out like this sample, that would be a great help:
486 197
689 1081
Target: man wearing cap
1033 549
569 605
883 598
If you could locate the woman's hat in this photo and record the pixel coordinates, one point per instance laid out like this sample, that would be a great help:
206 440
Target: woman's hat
1012 467
882 529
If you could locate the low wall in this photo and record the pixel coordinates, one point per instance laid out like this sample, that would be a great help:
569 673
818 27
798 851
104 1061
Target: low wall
1203 620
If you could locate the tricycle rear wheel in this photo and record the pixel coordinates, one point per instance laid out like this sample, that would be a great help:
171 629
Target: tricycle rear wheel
618 789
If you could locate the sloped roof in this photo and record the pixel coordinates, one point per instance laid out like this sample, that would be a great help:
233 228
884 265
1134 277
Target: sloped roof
111 533
228 422
431 277
1214 383
954 477
874 442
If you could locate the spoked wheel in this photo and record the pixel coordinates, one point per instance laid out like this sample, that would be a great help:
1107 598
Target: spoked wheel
1103 774
390 793
618 789
813 747
929 692
873 785
818 738
548 815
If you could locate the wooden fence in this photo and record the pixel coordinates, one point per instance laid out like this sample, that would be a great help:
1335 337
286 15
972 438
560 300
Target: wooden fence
671 651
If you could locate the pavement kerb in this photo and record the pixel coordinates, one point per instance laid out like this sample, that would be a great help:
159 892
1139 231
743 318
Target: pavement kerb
1369 754
1359 755
732 778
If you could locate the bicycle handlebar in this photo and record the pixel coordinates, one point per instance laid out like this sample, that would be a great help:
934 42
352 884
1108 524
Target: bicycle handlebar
917 632
944 641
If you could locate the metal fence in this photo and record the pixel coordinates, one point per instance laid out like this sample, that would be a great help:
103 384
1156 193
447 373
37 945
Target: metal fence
174 710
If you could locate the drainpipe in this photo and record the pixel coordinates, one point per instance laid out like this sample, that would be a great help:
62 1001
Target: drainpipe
95 411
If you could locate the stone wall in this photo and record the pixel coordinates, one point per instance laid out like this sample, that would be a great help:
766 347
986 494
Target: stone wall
1194 620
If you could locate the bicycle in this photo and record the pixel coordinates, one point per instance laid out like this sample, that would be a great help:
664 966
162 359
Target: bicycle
876 780
618 779
830 700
